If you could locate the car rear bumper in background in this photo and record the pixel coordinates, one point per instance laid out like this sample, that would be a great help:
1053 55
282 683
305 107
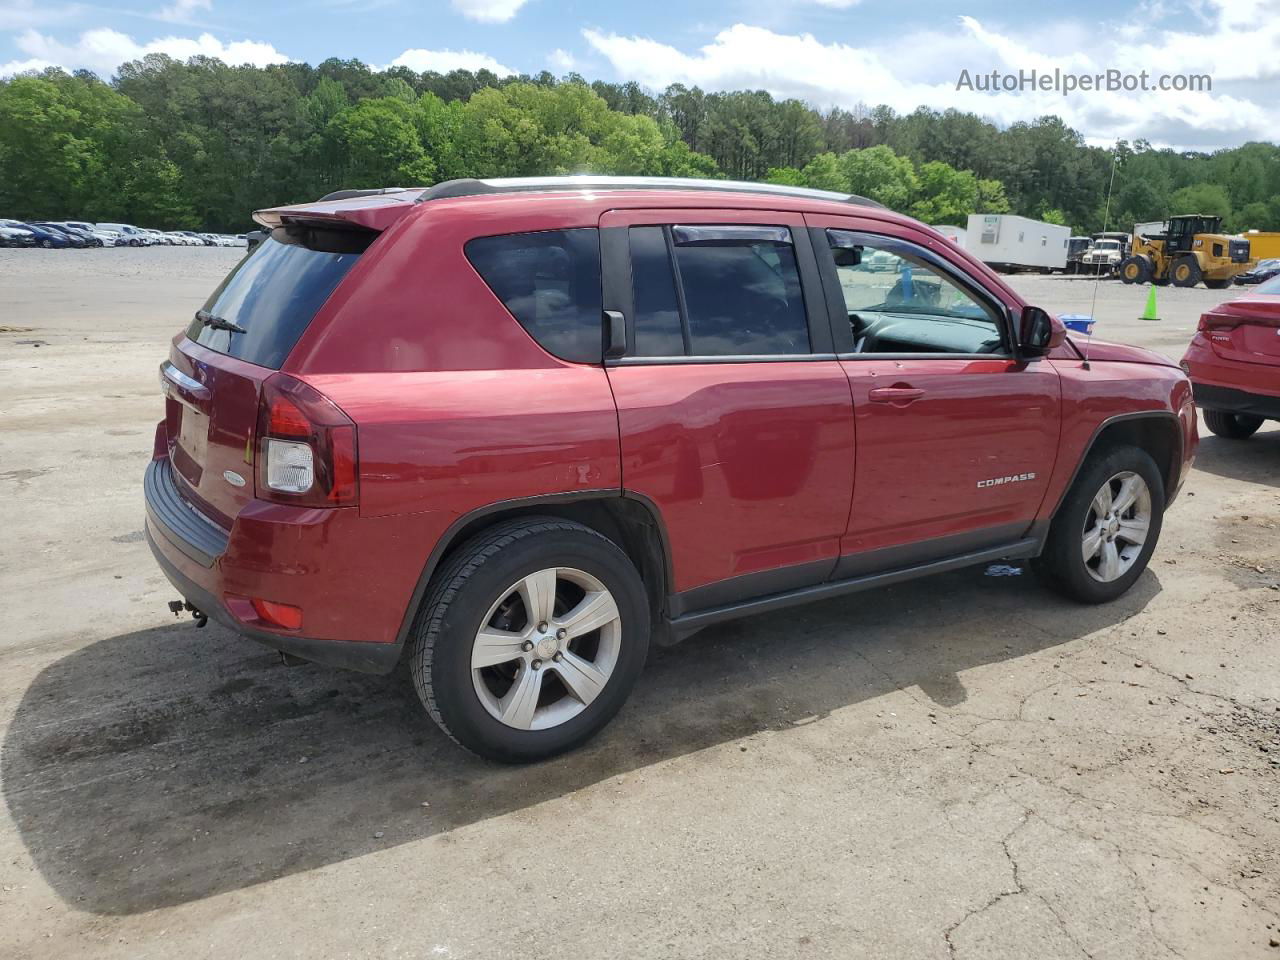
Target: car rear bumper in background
286 555
1230 400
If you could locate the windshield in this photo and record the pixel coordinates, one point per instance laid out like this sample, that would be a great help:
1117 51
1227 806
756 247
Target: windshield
1107 245
275 292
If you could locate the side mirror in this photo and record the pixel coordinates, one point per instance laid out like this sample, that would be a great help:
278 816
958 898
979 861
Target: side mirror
1038 333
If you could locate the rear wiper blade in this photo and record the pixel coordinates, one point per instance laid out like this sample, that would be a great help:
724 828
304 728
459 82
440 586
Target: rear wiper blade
209 320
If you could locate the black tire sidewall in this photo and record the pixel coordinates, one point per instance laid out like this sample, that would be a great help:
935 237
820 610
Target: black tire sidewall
1062 563
460 710
1231 426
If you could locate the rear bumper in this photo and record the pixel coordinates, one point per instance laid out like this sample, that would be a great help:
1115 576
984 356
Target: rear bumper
1230 400
207 565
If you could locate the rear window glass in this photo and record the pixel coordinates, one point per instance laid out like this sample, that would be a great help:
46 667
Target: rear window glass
550 282
275 292
1270 286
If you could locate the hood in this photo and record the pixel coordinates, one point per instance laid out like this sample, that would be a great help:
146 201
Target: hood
1118 352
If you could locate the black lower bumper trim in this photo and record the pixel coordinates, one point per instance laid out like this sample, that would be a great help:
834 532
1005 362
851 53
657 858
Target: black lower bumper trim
192 533
1236 401
349 655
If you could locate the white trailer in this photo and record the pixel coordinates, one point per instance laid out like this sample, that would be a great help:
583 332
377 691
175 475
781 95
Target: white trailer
1006 242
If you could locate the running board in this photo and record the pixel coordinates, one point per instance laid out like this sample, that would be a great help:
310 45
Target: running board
690 623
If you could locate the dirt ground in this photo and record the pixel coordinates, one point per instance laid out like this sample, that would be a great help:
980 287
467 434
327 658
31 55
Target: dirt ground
964 767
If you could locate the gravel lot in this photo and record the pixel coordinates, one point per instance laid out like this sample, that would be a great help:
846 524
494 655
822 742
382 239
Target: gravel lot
959 767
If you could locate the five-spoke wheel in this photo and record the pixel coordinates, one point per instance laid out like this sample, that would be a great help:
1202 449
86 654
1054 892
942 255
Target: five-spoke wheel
531 638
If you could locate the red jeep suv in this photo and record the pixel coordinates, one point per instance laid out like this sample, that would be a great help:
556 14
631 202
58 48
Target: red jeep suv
512 430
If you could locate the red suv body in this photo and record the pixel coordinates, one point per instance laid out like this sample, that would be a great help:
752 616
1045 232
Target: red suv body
1234 362
477 420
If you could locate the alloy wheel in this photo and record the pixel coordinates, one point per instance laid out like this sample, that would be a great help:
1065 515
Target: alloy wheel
546 648
1116 526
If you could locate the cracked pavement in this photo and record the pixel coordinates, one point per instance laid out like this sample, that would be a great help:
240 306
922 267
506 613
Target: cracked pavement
962 767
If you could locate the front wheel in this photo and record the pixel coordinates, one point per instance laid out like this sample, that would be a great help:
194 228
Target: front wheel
1218 284
1232 426
530 639
1107 527
1185 272
1135 269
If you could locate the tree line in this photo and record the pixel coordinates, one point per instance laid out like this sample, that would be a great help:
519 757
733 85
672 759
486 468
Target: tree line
202 144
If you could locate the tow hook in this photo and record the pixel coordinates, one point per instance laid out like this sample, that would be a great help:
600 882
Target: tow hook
177 606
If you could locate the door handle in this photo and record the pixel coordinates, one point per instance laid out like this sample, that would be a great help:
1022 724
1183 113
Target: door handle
899 395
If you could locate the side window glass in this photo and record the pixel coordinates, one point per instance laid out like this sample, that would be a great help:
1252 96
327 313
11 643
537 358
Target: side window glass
550 282
658 328
900 302
741 293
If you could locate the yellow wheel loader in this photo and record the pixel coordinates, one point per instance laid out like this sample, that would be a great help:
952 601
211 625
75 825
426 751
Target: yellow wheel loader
1190 249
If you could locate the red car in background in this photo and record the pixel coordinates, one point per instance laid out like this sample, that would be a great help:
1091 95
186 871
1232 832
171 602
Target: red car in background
1234 362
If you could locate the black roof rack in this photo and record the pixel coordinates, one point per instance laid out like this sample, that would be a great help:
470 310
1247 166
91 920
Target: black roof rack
475 188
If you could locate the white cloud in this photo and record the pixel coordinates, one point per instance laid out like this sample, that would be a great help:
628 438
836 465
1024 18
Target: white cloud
103 50
442 61
183 11
562 59
489 11
921 68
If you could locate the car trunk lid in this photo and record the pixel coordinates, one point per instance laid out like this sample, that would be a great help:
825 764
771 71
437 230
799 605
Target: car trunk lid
1246 330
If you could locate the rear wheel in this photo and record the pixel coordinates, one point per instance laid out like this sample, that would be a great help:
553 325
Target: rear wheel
530 639
1218 284
1107 527
1135 269
1233 426
1185 272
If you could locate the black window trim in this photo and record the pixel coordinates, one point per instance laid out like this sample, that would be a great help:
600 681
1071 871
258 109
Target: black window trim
839 316
619 295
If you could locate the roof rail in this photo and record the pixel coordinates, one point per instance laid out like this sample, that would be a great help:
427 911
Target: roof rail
475 188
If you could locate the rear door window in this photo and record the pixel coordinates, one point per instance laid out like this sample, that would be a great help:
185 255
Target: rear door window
274 293
550 282
708 291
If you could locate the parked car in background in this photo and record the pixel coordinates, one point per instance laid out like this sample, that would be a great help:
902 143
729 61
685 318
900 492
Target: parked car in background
45 237
1265 270
1234 362
16 236
133 236
88 236
200 238
76 238
512 430
109 238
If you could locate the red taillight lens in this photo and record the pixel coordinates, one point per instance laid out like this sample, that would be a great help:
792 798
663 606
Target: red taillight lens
279 614
1213 322
306 447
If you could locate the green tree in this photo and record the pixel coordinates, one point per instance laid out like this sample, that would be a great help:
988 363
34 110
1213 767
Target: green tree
823 172
881 175
380 144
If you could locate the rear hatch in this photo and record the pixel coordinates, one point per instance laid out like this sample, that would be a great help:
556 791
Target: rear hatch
1247 330
241 337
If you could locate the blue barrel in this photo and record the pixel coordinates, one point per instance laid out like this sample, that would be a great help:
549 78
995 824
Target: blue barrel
1078 322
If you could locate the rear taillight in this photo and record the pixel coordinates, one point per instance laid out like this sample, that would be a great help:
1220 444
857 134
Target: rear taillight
306 447
1211 322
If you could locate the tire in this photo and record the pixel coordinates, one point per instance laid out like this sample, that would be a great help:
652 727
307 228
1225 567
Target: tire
483 584
1218 284
47 244
1135 269
1063 566
1185 272
1232 426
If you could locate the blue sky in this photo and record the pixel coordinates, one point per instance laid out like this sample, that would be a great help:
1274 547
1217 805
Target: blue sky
829 52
